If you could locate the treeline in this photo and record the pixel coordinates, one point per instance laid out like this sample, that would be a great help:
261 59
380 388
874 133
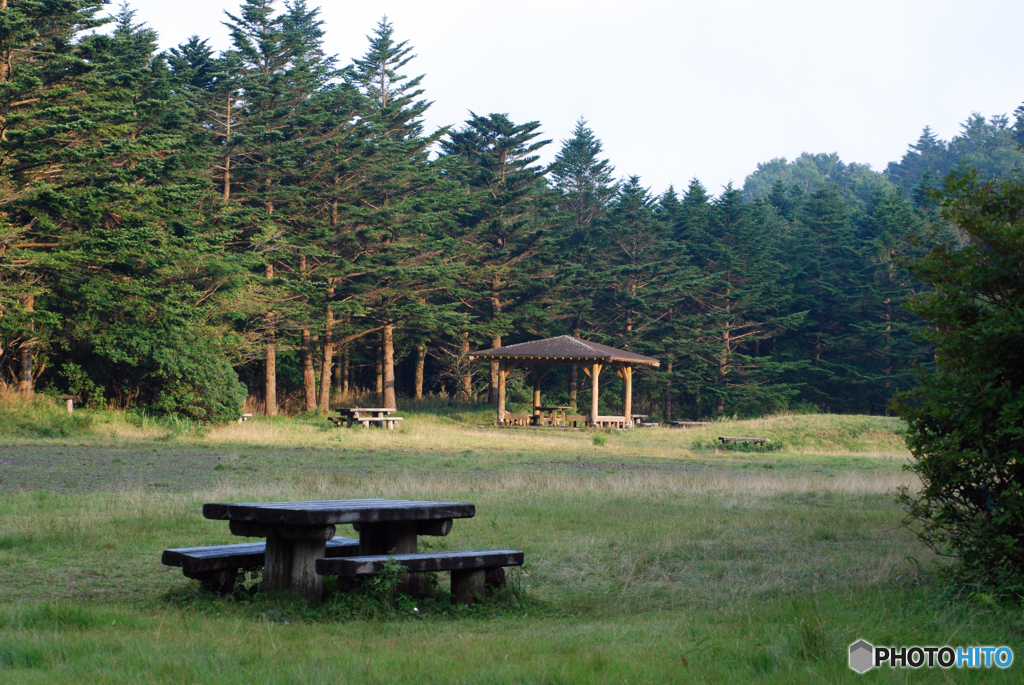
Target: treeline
182 230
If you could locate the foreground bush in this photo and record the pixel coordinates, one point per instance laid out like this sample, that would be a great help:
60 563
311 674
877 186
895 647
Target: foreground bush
966 418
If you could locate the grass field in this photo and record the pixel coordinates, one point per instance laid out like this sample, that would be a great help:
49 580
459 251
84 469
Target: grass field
652 556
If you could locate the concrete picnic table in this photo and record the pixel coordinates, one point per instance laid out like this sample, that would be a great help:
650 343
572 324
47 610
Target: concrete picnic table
297 532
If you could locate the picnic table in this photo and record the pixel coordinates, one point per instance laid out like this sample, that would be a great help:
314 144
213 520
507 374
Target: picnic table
550 416
297 532
367 415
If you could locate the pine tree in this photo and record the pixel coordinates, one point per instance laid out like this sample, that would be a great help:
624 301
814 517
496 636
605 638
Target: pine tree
394 211
586 187
496 161
740 307
824 282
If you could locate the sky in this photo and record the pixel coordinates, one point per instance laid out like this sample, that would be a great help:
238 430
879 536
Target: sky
677 89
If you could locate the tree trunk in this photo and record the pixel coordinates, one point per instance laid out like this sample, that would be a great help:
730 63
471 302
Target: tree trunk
346 377
667 408
389 368
492 390
723 367
308 375
421 357
270 365
380 370
26 383
467 378
328 361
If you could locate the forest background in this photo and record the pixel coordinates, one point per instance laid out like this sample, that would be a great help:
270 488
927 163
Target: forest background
185 231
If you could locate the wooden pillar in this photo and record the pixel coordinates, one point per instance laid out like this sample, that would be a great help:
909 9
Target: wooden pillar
536 388
627 402
595 371
501 391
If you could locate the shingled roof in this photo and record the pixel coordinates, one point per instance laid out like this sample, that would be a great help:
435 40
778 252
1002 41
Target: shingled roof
565 348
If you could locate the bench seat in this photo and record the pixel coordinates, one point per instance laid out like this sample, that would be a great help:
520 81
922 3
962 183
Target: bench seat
216 566
725 439
472 570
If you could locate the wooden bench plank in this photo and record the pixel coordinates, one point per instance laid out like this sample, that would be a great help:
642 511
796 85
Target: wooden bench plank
194 560
728 439
421 563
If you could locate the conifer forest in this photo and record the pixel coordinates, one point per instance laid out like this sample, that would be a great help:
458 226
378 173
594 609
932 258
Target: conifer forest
185 231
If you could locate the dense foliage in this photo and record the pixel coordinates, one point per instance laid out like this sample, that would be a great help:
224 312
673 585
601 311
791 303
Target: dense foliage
181 230
967 414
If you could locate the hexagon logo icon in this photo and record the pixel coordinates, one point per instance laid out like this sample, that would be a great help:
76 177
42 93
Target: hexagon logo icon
861 656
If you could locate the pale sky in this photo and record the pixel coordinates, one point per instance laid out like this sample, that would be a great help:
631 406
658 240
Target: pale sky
678 89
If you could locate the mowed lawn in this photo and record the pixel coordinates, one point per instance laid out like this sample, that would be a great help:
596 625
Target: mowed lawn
651 556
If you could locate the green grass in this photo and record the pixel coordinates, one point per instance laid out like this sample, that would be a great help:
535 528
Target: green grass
649 560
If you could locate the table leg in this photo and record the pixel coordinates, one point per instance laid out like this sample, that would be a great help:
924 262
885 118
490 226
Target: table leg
290 561
393 537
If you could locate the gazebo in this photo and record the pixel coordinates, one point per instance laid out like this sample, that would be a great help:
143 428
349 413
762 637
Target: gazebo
540 356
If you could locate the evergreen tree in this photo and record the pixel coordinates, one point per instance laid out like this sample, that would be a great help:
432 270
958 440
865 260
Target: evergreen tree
507 224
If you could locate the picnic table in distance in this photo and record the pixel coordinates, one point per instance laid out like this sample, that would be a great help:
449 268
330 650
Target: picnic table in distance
380 416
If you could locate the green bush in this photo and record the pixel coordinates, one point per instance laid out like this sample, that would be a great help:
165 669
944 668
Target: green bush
965 431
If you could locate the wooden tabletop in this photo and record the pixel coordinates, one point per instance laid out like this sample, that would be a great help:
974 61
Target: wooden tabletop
329 512
553 408
383 410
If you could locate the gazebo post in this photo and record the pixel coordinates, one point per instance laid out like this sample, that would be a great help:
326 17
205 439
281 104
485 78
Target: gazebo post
536 389
501 391
595 371
627 403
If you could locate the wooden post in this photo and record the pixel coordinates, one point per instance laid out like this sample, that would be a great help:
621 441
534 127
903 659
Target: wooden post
501 391
71 405
536 389
595 371
627 403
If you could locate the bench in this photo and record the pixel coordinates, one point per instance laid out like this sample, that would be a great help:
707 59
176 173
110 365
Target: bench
516 419
472 571
244 417
576 421
611 422
758 440
689 424
217 566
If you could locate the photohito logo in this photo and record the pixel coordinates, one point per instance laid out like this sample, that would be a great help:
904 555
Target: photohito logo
864 656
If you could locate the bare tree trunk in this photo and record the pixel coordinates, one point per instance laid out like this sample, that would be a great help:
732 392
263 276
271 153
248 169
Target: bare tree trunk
421 357
339 365
467 379
346 377
667 409
328 360
389 368
380 370
492 390
270 365
308 375
26 383
723 367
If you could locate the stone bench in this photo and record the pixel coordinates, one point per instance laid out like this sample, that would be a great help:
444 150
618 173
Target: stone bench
216 567
472 571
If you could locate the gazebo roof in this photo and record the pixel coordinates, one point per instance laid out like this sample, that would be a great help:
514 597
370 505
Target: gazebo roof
565 349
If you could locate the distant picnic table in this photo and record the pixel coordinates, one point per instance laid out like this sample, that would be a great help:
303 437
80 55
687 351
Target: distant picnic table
380 416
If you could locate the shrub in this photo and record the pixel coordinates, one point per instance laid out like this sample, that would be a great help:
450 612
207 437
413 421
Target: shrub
965 428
